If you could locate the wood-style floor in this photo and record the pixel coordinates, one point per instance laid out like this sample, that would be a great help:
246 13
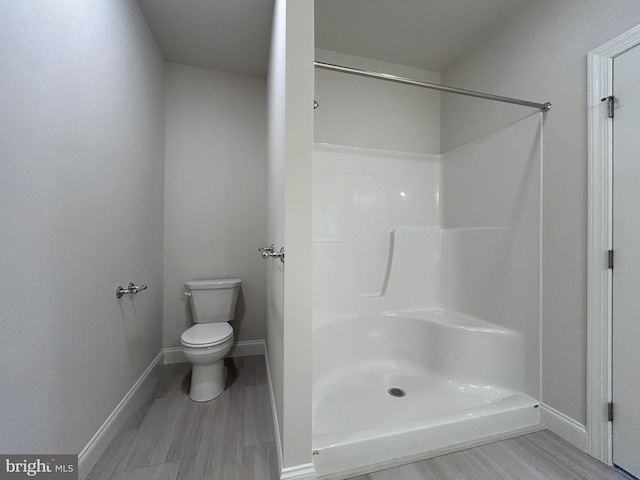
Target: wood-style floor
536 456
232 438
229 438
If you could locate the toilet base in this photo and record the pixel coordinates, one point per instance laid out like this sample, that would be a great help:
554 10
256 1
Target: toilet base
207 381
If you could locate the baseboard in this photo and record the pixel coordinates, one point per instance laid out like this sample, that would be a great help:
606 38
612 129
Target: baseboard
623 473
563 426
247 348
244 348
173 355
299 472
99 442
274 411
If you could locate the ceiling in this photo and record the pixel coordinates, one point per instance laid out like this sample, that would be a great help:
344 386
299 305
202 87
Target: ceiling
429 34
228 35
234 35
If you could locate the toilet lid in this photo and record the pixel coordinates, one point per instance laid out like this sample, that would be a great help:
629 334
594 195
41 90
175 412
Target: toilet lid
207 334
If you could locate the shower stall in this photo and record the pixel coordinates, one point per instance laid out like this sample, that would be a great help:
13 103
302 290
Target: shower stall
426 297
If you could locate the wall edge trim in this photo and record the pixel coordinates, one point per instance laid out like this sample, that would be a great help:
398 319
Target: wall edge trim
564 426
245 348
173 355
299 472
274 411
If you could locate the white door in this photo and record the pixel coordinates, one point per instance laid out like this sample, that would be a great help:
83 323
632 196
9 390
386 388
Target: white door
626 272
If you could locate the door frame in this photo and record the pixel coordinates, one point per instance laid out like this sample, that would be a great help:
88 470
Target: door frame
600 218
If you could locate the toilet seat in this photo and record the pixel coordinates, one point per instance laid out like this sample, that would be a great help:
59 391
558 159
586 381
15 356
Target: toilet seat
204 335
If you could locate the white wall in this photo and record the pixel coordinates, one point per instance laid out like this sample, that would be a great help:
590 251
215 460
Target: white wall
276 97
81 183
290 111
540 54
372 113
215 192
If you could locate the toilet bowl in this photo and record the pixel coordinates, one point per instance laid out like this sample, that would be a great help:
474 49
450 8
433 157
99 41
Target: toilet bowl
206 343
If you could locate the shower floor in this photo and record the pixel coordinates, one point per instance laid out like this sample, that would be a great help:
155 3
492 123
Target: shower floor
359 399
357 423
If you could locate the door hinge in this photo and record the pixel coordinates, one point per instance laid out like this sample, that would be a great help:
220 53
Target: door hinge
610 259
610 411
610 104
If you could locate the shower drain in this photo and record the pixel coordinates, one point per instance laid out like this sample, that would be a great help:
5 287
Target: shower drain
396 392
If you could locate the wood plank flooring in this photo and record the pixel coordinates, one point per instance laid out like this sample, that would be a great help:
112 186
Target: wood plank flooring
231 438
536 456
171 437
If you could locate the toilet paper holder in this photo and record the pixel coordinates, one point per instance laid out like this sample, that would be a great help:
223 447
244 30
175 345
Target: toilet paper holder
131 289
270 251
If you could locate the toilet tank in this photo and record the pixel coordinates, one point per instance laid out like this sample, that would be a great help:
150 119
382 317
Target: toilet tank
213 300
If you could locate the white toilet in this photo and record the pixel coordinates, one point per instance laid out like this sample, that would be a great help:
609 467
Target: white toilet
213 304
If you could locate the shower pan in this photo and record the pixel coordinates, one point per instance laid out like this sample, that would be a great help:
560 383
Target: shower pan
426 299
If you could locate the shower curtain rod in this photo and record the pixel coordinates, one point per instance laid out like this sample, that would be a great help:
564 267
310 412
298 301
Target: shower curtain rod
545 107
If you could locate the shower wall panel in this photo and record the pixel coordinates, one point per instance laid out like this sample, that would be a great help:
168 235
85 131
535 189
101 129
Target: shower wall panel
490 204
374 218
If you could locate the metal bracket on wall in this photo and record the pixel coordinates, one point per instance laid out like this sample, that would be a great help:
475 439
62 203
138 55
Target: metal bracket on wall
270 252
131 289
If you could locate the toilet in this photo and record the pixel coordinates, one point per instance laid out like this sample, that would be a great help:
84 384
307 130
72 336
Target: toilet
205 344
